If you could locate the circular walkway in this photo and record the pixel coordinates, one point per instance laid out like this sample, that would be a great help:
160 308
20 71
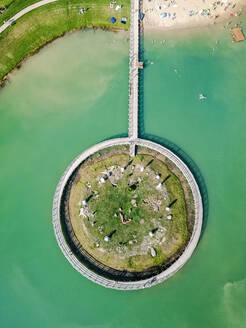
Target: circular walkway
80 267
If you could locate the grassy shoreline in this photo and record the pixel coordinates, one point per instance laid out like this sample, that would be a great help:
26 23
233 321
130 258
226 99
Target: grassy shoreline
45 24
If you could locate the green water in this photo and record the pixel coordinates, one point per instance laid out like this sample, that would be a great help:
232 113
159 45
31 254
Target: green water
73 94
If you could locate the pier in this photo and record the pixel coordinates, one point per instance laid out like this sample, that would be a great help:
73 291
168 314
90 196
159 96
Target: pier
133 141
94 276
134 67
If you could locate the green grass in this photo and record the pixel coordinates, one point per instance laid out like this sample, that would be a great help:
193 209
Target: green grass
46 23
5 3
13 7
120 252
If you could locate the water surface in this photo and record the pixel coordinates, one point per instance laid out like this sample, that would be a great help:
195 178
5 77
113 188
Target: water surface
74 94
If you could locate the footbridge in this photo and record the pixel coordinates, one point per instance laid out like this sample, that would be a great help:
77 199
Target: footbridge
94 275
133 141
134 67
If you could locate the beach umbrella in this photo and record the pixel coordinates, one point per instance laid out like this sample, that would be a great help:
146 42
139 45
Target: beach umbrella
112 20
141 16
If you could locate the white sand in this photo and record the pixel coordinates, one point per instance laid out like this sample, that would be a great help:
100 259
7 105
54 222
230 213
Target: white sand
188 13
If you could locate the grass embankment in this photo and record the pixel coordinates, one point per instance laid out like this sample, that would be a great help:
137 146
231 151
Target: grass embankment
133 194
46 23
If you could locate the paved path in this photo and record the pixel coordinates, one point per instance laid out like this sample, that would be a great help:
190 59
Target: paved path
133 74
80 267
23 12
132 141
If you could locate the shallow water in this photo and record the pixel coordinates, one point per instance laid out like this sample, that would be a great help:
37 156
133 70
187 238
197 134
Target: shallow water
74 94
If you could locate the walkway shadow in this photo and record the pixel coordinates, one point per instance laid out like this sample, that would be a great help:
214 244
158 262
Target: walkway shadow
115 136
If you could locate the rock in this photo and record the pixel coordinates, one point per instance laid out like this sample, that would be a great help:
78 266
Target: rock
168 208
84 212
155 207
153 252
84 202
130 242
88 185
151 234
169 216
106 238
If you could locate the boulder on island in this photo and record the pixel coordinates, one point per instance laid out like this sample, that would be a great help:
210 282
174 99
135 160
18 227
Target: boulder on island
152 252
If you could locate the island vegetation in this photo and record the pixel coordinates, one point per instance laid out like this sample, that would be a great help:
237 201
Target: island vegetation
42 25
130 213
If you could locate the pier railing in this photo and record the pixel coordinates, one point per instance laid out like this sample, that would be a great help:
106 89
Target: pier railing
118 283
82 261
133 74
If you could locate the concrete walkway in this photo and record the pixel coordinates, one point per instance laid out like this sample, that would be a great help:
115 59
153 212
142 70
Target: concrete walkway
133 75
132 141
133 71
23 12
131 285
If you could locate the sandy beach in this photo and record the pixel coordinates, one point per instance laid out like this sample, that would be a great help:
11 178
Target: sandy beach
173 14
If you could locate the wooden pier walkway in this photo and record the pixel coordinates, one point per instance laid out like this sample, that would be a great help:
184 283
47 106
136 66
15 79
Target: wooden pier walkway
81 267
133 76
133 141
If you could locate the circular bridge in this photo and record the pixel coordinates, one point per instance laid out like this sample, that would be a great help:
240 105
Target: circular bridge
90 267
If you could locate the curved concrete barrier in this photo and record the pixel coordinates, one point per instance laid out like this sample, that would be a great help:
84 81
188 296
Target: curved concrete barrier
80 267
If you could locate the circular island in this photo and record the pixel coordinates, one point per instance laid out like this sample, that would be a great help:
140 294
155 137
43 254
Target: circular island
127 222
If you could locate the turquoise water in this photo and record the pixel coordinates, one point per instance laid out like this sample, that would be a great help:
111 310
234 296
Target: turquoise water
74 94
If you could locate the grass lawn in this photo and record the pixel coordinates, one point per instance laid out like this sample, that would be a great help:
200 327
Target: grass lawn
129 195
43 24
13 7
